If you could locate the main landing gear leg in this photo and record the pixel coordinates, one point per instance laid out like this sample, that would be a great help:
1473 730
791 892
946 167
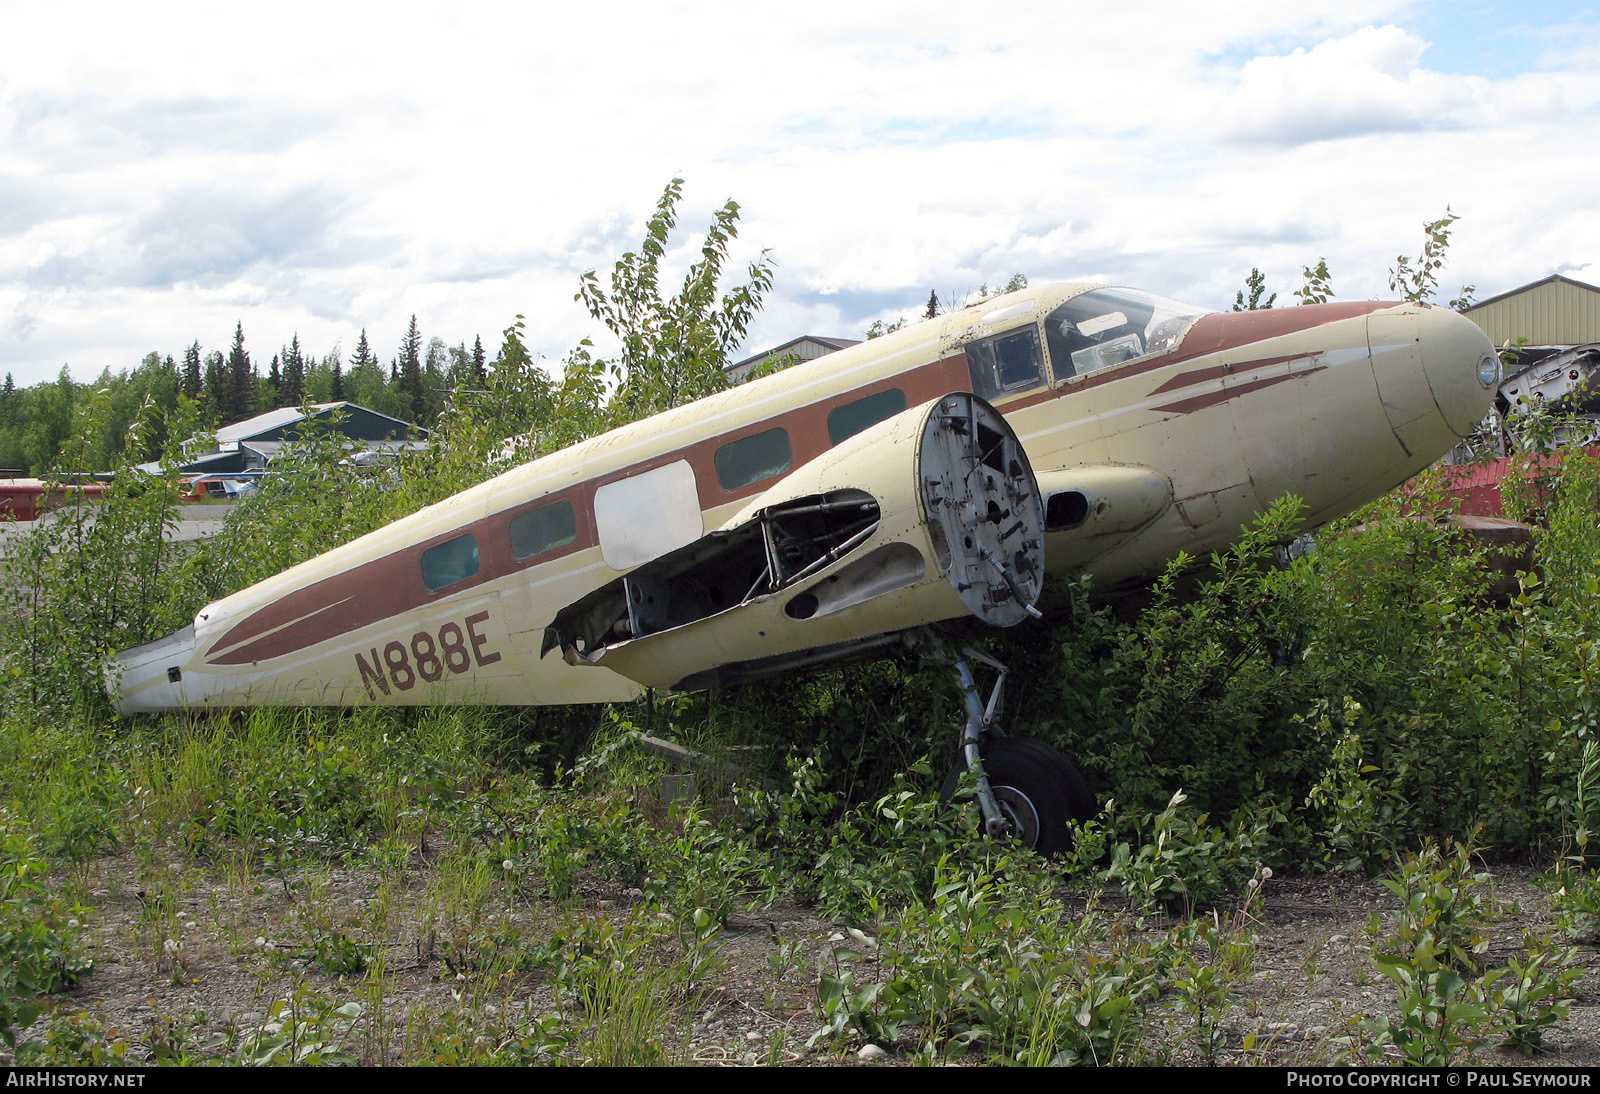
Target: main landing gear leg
1026 790
982 719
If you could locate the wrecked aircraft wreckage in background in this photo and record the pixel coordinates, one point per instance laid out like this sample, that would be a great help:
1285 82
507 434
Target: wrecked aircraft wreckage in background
1548 402
845 504
1553 380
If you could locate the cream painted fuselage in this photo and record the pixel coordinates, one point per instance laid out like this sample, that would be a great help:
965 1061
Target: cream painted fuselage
1151 429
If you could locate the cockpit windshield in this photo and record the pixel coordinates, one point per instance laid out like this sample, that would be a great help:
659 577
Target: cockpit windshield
1105 327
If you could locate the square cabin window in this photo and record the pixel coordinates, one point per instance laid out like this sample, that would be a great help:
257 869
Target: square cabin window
846 421
543 529
451 561
1006 363
751 459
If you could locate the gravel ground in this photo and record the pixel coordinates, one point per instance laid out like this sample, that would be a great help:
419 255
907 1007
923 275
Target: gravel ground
239 942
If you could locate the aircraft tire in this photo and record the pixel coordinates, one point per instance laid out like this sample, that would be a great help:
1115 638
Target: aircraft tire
1036 786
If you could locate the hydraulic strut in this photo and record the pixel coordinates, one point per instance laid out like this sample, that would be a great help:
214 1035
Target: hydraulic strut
983 719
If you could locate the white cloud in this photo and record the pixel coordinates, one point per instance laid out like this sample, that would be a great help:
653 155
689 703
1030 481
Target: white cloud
322 168
1370 81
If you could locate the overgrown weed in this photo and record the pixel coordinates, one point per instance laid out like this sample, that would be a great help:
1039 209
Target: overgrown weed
1432 948
992 963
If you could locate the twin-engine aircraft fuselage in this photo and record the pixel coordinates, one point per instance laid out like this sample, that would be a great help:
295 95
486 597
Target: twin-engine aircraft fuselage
932 474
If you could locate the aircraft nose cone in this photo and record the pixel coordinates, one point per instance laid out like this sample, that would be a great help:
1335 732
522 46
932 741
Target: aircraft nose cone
1461 365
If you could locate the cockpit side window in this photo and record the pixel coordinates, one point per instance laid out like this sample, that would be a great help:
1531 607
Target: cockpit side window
1106 327
1006 363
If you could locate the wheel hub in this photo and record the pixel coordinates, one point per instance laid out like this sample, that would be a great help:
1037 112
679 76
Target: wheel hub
1022 818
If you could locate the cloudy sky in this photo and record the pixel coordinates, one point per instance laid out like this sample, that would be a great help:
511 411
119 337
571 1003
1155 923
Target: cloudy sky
169 170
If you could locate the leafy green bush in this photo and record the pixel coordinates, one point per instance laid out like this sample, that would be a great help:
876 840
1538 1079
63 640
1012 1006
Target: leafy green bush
1449 1003
93 579
74 1040
1443 1015
1198 692
1180 864
887 854
1577 903
36 935
306 1029
993 962
1526 995
1214 960
1373 678
1444 901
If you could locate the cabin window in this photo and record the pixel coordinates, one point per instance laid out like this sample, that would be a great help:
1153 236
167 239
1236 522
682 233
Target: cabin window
1006 364
451 561
846 421
543 529
751 459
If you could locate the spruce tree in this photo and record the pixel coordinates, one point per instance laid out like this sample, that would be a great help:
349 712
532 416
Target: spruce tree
337 392
275 381
216 386
410 363
478 368
364 381
294 374
241 380
364 354
191 371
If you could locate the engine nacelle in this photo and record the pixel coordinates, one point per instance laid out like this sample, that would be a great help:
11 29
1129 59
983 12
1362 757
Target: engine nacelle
1088 510
930 515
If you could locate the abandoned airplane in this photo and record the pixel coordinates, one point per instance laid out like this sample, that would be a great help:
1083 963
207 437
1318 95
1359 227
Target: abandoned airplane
847 503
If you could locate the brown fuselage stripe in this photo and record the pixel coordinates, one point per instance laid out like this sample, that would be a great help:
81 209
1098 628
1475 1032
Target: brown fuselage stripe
1216 372
1212 398
392 585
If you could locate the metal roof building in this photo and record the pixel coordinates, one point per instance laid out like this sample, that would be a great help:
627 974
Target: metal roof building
250 444
808 347
1556 311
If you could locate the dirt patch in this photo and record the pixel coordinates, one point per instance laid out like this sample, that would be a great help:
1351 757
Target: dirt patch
193 959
